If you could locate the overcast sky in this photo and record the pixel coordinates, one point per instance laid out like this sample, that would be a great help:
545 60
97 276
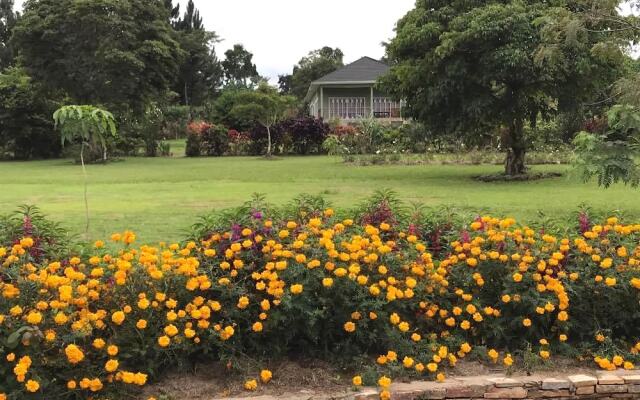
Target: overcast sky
280 32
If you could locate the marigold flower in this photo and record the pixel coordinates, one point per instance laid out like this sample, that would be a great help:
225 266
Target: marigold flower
251 385
265 375
32 386
74 354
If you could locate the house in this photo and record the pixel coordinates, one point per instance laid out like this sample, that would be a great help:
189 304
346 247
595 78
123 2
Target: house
349 94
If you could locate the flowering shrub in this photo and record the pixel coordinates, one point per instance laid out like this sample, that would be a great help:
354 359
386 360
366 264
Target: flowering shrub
206 139
380 284
239 143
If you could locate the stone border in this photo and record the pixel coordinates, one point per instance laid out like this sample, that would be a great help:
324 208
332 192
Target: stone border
605 386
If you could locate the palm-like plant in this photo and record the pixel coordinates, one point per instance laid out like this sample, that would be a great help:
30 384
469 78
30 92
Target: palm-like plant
89 125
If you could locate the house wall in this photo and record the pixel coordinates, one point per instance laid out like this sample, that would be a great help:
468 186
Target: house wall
345 91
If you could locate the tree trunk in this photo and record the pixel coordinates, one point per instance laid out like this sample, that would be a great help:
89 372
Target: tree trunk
268 141
516 150
86 198
514 164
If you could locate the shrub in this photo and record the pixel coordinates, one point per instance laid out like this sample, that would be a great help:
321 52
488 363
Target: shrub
416 291
239 143
307 134
206 139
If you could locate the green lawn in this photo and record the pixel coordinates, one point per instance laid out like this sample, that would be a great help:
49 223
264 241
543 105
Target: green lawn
159 198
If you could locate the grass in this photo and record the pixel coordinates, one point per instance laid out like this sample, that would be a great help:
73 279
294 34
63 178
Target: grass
160 198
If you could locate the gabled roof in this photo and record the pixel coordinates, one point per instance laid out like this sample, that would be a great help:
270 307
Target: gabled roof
364 70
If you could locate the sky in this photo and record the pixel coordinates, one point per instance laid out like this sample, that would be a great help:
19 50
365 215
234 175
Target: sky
280 32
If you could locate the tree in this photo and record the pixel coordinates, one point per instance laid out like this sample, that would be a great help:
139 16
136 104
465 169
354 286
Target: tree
612 155
26 129
89 125
265 106
469 67
239 69
120 53
200 73
284 83
315 65
191 20
8 19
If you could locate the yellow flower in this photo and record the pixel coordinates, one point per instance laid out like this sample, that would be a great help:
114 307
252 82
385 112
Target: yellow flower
544 354
349 327
118 317
384 382
407 362
164 341
257 327
32 386
113 350
526 322
74 354
296 289
265 375
141 324
507 361
111 365
327 282
251 385
34 318
357 380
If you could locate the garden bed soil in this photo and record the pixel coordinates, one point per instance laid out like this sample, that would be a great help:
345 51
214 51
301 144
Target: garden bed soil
517 178
312 380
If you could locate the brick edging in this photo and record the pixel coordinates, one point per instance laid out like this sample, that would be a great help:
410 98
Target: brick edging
592 386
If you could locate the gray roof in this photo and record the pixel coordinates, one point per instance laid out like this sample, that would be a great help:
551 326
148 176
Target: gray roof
363 70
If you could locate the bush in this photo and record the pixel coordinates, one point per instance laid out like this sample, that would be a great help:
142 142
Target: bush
410 287
307 134
206 139
50 241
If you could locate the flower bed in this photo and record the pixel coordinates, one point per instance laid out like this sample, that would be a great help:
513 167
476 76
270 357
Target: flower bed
386 295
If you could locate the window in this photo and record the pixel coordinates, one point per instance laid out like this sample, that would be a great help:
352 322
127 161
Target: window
348 108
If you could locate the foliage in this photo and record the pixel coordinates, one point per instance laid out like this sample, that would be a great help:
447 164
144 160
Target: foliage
307 134
315 65
201 73
177 118
225 103
87 124
120 54
8 19
90 126
515 72
26 129
207 139
265 106
415 292
612 156
239 69
50 240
